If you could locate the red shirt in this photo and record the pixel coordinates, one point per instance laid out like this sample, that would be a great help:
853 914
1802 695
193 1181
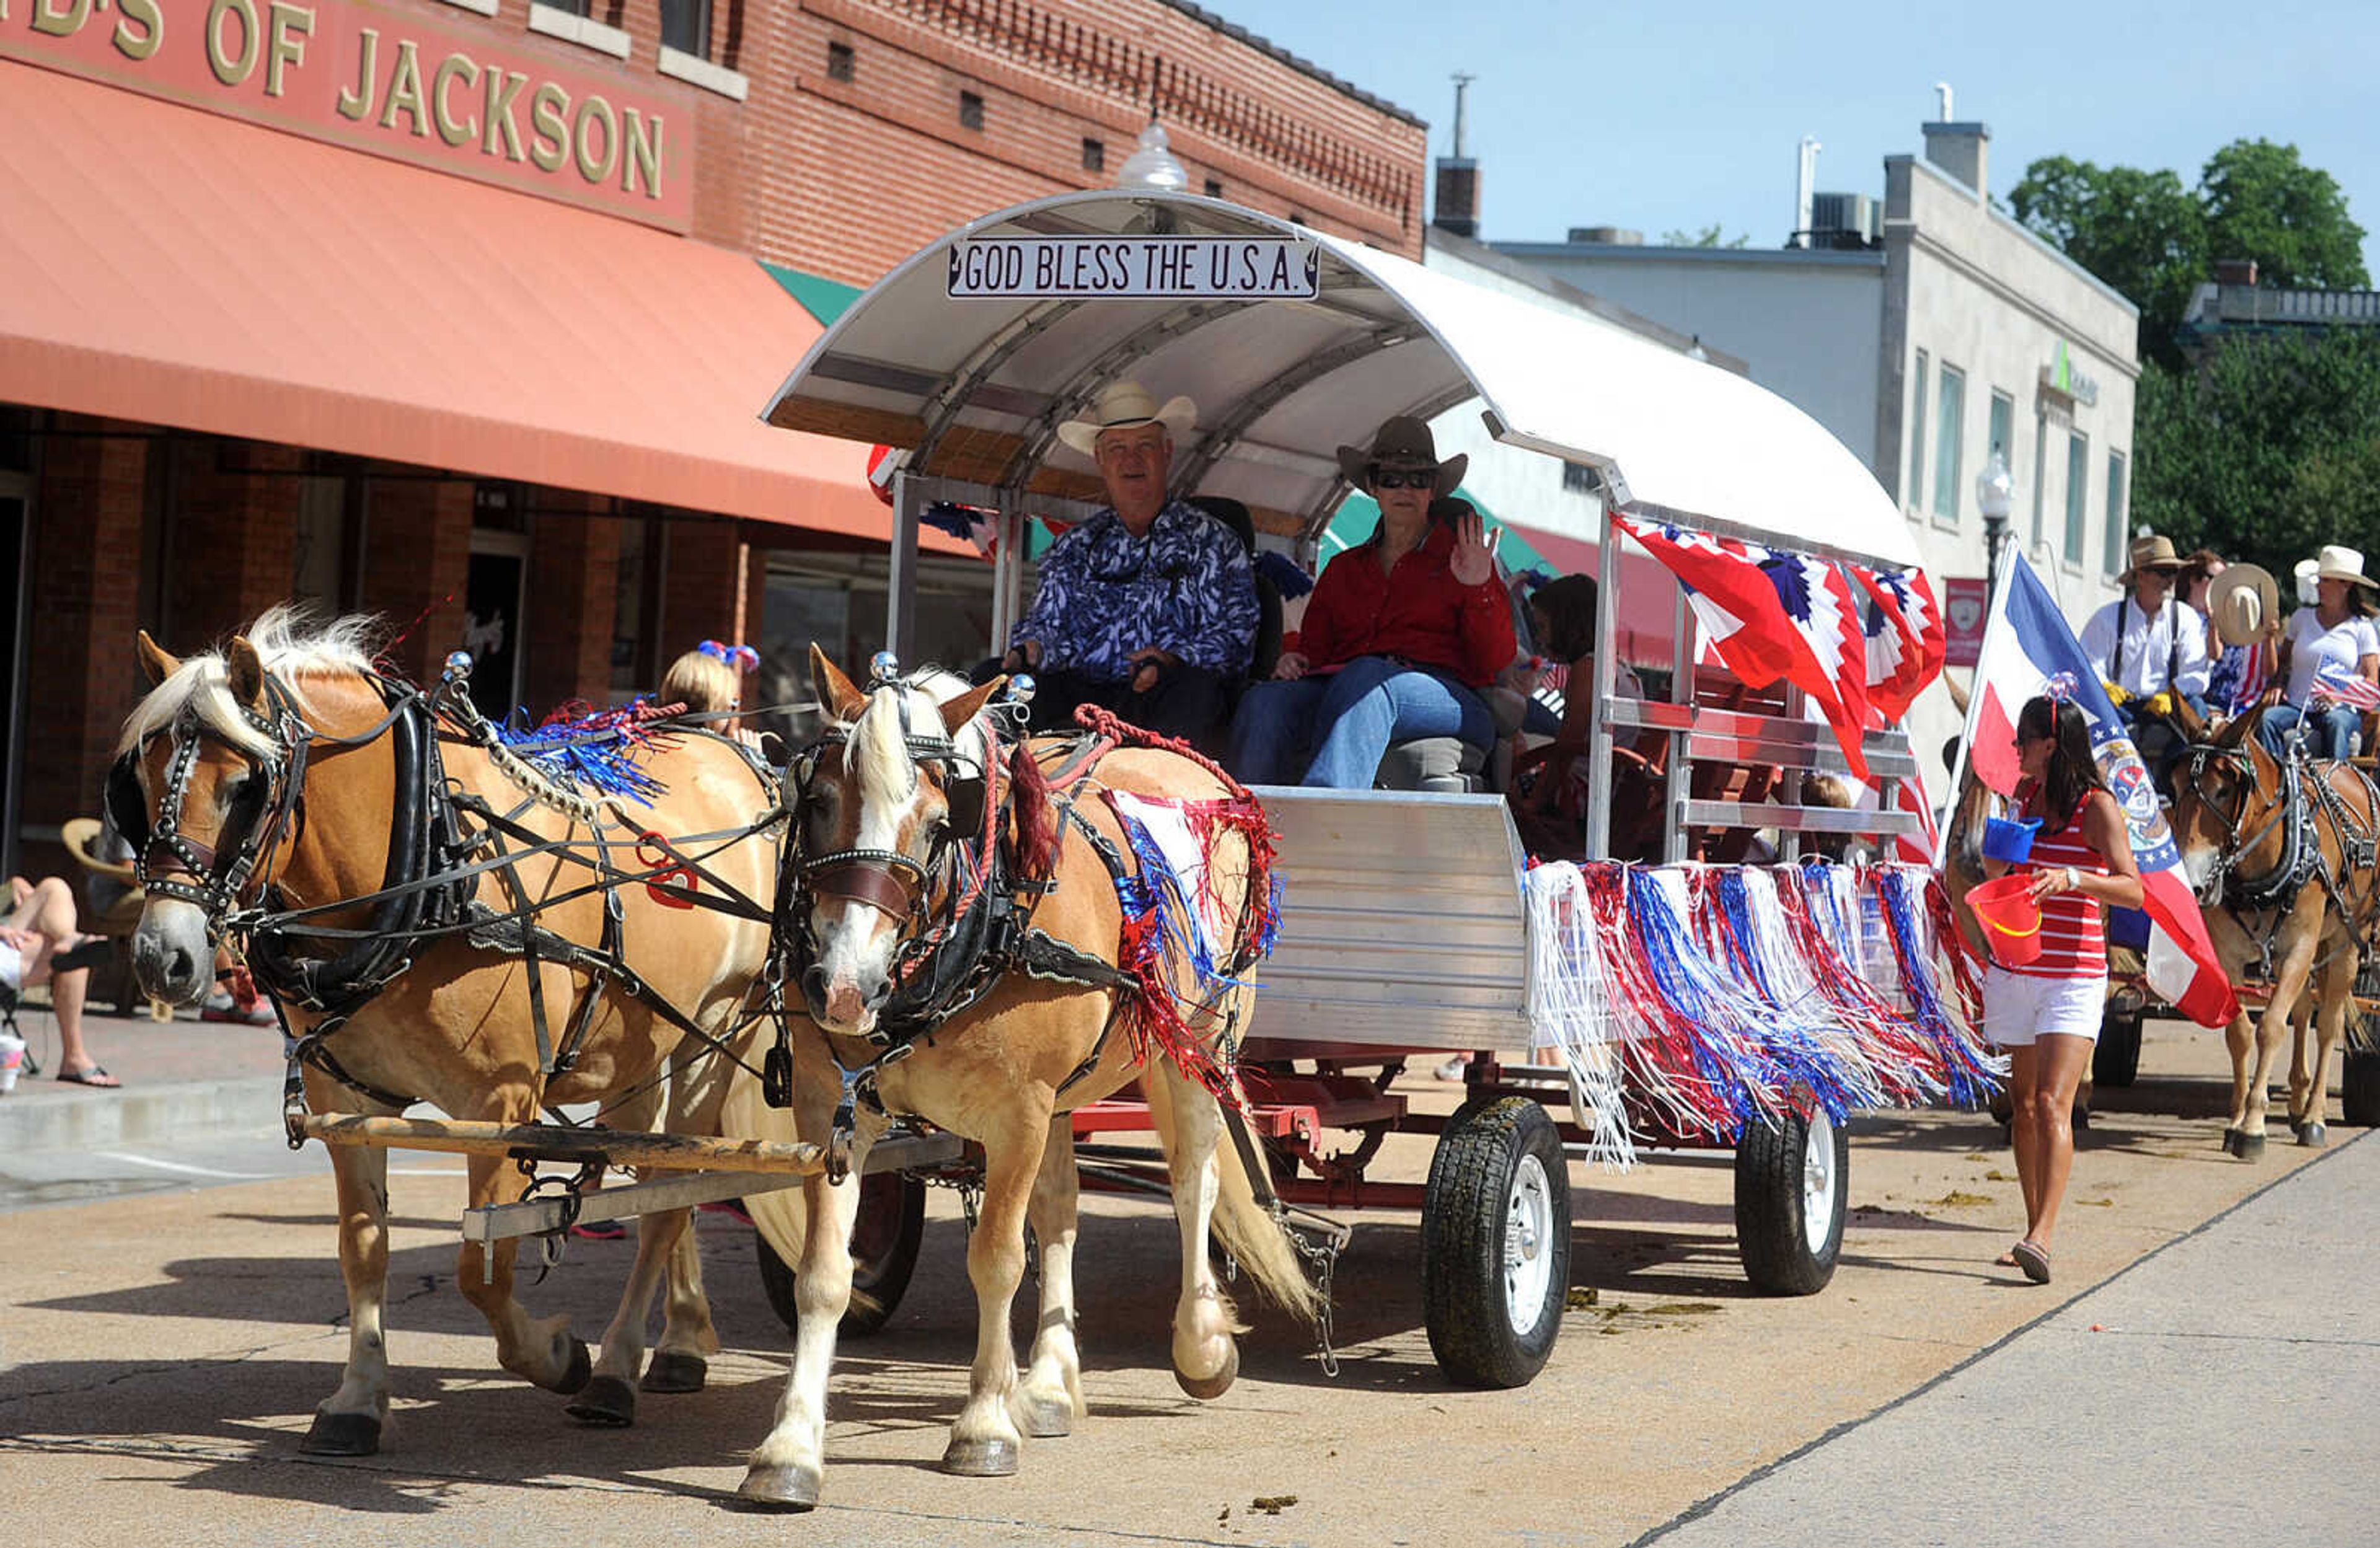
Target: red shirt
1418 612
2073 924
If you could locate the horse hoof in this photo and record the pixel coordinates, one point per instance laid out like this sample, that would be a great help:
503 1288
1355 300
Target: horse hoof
342 1435
1046 1419
2251 1147
667 1371
2314 1136
1208 1389
991 1459
606 1403
582 1365
2230 1142
779 1488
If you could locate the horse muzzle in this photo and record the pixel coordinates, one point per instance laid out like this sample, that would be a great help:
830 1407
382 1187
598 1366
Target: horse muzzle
839 1004
173 957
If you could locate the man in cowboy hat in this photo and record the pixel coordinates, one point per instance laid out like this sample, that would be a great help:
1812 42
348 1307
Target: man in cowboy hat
2150 648
1150 608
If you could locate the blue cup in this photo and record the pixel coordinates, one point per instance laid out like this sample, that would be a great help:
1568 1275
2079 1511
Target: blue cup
2009 841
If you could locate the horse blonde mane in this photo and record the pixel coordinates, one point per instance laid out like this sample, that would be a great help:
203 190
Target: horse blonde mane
293 648
885 771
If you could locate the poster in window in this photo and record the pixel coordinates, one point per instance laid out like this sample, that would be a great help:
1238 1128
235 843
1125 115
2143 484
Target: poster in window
491 609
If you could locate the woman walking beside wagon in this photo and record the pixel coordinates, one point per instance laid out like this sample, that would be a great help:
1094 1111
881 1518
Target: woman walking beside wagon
2045 1012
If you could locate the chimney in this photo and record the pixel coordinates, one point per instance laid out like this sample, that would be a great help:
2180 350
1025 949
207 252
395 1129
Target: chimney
2236 270
1457 201
1806 182
1960 149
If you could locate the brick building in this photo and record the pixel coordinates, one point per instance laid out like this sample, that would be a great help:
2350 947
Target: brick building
462 311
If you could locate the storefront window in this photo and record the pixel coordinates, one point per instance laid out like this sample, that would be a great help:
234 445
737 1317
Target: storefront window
1916 489
629 610
2078 492
16 438
1950 414
2003 428
2119 549
685 27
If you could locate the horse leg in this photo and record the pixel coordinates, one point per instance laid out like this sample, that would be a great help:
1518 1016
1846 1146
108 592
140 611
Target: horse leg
2301 1029
1206 1349
1051 1396
349 1422
609 1398
985 1440
786 1468
2274 1025
682 1359
2239 1041
2330 1025
542 1350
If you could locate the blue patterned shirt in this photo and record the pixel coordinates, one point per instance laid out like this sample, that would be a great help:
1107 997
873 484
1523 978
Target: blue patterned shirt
1186 587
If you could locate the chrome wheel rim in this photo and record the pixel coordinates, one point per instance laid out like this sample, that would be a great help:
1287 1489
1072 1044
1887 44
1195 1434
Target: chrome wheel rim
1819 1181
1528 1245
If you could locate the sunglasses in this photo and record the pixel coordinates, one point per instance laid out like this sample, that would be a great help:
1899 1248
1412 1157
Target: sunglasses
1391 478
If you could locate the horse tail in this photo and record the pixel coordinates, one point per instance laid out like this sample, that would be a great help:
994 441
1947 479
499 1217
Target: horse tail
1247 1229
782 1214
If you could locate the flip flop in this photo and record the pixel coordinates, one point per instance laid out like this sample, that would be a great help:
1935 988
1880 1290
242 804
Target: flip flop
2034 1260
94 1077
88 952
2006 1260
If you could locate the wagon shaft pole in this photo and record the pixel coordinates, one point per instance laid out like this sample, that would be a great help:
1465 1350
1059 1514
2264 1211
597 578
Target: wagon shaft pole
547 1142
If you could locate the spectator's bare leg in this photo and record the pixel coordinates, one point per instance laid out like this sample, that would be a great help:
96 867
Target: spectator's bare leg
48 909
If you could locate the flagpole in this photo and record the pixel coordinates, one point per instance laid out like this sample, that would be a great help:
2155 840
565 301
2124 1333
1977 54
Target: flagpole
1996 579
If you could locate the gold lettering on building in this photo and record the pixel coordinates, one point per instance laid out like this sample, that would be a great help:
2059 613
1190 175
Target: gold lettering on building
356 101
641 138
503 87
292 25
59 18
230 69
451 69
549 126
130 14
405 90
593 111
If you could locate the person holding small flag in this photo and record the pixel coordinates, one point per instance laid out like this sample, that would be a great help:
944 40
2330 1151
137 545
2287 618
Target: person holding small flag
2331 655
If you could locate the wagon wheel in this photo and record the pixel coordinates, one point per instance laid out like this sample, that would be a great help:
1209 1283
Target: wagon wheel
884 1242
2358 1081
1495 1242
1792 1182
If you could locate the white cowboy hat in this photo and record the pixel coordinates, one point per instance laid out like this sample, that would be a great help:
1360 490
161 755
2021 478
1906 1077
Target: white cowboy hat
1120 407
2241 602
2307 595
2339 563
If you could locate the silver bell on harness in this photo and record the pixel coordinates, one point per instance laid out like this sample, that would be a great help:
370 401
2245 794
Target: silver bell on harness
459 665
883 666
1021 688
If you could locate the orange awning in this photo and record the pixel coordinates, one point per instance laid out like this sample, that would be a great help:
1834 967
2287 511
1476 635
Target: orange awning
173 267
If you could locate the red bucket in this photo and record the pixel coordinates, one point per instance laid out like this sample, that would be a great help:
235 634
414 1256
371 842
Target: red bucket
2010 916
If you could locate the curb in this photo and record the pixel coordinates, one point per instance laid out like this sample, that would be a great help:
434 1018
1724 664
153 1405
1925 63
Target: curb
33 1120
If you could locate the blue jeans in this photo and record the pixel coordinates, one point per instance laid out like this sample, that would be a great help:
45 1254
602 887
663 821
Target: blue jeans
2329 730
1349 718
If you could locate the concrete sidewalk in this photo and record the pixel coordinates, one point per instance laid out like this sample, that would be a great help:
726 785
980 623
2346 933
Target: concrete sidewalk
2224 1387
181 1079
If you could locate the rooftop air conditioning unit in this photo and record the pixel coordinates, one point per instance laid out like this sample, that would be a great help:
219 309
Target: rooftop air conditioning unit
1845 220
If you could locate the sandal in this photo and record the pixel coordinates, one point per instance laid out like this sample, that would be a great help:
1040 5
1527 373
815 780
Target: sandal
92 1076
89 952
2034 1260
2006 1260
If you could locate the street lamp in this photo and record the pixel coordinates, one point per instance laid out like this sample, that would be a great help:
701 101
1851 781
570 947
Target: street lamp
1996 493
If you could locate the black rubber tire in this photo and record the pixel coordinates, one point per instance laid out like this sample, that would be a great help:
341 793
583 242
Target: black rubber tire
2359 1083
2115 1061
1770 1233
1465 1219
884 1242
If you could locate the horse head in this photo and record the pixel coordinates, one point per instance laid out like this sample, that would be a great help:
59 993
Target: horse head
874 830
2227 789
205 786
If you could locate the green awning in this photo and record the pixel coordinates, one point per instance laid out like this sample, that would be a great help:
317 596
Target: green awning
1359 517
823 298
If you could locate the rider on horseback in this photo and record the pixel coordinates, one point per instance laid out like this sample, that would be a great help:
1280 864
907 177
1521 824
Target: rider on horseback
2151 651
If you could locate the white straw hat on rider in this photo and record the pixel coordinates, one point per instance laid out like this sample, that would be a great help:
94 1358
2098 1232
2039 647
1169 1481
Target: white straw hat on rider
2243 603
2339 563
1121 406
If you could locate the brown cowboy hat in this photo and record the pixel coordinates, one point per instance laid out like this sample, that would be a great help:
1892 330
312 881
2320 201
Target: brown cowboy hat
1402 443
2242 603
2150 553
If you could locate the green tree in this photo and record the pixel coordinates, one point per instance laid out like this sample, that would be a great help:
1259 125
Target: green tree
2261 201
1708 236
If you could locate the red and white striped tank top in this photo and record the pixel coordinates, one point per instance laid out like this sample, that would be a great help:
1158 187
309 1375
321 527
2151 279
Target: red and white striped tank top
2073 924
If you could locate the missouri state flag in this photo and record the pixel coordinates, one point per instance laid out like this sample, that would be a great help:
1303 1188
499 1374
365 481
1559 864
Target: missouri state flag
2027 650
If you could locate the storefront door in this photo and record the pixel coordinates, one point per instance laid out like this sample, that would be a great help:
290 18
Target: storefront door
492 620
14 508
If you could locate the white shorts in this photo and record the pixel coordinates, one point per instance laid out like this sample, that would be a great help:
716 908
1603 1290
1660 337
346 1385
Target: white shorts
12 966
2017 1010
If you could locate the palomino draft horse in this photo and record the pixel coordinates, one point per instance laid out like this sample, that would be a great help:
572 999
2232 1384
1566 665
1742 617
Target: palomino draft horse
957 930
2281 851
434 934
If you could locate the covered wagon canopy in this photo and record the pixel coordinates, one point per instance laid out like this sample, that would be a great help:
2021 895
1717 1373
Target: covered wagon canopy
975 385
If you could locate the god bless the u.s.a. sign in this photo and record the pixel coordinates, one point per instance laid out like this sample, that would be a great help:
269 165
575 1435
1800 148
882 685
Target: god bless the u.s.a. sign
1088 268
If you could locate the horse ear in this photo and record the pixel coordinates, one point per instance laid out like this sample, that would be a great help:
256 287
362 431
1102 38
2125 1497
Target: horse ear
837 696
2194 726
957 712
2235 733
243 673
156 661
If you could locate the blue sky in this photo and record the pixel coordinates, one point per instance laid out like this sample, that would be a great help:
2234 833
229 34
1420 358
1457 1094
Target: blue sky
1677 114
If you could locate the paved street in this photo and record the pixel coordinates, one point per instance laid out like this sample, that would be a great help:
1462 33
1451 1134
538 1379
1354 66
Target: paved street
170 1312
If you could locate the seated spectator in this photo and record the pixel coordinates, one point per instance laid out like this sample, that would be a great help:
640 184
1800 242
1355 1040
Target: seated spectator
708 682
2331 655
2150 649
1551 807
1150 608
1403 633
2244 624
39 944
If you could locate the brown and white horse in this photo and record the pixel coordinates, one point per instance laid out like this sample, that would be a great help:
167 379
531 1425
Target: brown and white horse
2282 857
273 768
874 810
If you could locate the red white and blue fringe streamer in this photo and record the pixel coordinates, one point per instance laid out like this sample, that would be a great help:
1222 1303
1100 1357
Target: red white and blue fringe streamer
592 752
1690 1001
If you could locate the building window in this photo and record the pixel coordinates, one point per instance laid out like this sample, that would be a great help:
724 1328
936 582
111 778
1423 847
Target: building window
1950 417
685 27
841 63
2118 545
1095 155
1579 478
2078 492
2003 429
1915 492
574 8
970 110
1214 187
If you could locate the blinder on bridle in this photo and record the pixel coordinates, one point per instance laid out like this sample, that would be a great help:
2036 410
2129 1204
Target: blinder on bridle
888 881
162 853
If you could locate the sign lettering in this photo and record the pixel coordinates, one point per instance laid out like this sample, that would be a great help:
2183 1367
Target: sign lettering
1067 268
386 82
